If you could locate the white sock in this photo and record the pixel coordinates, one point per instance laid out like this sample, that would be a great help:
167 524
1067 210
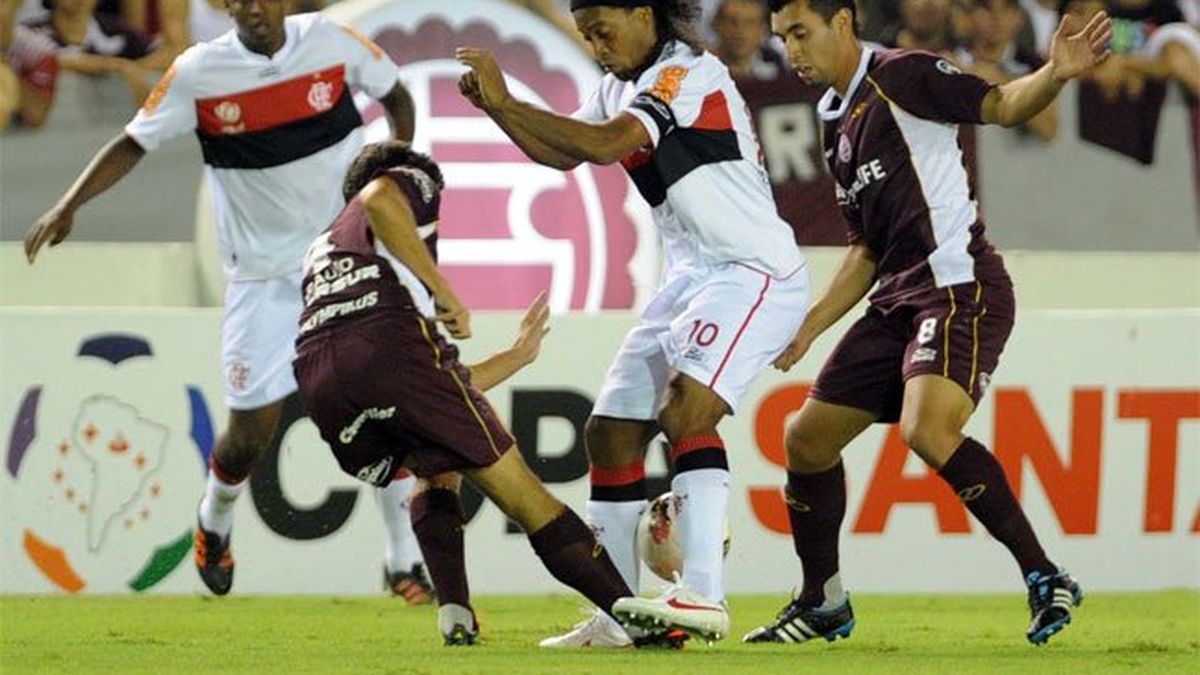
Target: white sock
216 509
835 595
702 512
615 524
402 550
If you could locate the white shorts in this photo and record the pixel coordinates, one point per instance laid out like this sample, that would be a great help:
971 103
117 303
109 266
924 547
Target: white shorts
258 340
720 326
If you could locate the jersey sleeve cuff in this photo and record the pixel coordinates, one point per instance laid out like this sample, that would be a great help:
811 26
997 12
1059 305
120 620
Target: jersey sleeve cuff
140 138
656 116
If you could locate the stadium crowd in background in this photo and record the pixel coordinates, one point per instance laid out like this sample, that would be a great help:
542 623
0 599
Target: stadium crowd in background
1156 44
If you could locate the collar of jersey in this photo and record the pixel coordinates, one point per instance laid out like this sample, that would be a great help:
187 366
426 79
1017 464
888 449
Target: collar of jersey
826 103
289 41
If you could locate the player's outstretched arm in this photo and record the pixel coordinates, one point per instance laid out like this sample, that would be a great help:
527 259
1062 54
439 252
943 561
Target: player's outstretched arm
854 278
398 105
108 166
503 365
391 219
530 126
1072 52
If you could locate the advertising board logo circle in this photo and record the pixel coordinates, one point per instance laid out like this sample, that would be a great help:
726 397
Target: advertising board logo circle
103 475
509 227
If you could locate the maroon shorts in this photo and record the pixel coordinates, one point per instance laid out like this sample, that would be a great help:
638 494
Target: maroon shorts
957 332
391 392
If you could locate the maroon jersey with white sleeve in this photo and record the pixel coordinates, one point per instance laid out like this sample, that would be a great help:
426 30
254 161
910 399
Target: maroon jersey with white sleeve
892 147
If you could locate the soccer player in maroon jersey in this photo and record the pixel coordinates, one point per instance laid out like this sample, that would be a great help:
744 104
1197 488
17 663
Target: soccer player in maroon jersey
387 390
943 306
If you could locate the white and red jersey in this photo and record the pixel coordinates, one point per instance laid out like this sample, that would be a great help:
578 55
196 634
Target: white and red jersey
703 175
277 134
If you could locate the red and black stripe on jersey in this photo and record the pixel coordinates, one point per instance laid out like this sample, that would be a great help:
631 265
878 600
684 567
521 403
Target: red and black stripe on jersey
277 124
681 150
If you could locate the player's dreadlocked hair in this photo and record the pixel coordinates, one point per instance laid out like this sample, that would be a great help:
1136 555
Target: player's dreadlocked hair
676 20
376 158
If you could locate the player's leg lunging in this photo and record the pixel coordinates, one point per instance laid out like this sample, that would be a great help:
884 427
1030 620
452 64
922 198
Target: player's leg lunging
701 484
935 410
438 521
404 570
560 538
236 455
816 501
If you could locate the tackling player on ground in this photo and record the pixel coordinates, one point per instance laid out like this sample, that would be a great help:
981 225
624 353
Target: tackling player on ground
943 304
386 389
734 290
271 105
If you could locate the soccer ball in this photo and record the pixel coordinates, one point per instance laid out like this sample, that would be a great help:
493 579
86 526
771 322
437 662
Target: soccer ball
658 541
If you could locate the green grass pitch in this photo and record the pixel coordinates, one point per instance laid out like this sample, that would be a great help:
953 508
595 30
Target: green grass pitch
1144 632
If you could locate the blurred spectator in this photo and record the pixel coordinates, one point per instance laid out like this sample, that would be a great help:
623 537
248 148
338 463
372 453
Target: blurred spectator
557 12
1043 20
97 45
992 53
879 20
28 71
927 25
137 14
1121 101
184 23
742 29
783 109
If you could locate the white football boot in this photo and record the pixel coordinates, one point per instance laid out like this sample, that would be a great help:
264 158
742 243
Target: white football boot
676 607
600 631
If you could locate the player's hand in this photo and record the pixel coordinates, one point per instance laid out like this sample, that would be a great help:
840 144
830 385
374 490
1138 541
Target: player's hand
468 86
52 227
455 316
533 329
488 81
1074 51
795 350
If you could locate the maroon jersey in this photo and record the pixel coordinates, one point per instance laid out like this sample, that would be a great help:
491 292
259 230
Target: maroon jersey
892 147
349 275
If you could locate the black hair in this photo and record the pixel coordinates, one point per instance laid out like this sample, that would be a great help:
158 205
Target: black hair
763 4
676 20
377 158
826 8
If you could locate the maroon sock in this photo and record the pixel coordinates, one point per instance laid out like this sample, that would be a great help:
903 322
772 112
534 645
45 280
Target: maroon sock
980 482
570 551
437 520
816 505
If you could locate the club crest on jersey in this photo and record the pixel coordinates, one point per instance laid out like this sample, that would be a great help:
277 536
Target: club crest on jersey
948 68
228 112
844 149
320 96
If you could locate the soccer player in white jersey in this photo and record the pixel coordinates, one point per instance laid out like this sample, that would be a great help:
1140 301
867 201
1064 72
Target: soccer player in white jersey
271 105
735 284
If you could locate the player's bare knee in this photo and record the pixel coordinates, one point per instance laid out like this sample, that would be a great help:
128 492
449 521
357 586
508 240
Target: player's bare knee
240 450
933 442
691 410
807 451
612 443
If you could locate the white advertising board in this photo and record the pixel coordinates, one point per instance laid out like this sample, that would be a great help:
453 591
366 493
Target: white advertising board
108 416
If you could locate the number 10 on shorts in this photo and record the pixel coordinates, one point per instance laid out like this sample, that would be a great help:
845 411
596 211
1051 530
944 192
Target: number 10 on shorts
703 333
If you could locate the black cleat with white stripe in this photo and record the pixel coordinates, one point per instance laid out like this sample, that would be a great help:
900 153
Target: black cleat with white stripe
1051 599
798 623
